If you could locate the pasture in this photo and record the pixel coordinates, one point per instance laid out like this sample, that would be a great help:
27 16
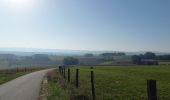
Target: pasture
164 63
10 74
121 82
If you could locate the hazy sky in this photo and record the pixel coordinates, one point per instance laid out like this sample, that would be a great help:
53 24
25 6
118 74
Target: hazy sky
125 25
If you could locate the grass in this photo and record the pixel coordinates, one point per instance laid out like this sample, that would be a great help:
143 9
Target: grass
123 82
56 92
54 87
7 75
164 63
122 58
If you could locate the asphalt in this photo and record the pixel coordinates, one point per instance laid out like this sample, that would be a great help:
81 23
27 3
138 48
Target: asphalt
26 87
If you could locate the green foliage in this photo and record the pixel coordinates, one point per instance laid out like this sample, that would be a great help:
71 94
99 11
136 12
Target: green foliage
136 59
70 61
163 57
148 58
56 86
56 92
112 58
148 55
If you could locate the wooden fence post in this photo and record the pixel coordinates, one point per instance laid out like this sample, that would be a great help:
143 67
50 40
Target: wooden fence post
92 84
68 74
60 69
77 77
151 89
64 69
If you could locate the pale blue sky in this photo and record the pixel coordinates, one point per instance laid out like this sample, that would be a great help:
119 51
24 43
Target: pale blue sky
117 25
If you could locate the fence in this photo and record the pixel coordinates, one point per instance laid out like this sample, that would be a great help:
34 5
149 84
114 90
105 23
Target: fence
151 84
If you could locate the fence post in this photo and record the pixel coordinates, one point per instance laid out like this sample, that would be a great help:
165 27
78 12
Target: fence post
151 89
64 69
60 69
77 77
92 84
68 73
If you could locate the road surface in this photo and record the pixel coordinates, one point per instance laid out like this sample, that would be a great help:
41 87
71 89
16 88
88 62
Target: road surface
26 87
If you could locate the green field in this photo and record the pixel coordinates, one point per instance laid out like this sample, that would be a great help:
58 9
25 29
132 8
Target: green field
10 74
164 63
5 77
122 82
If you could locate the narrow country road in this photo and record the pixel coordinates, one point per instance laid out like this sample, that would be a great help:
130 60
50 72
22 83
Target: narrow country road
26 87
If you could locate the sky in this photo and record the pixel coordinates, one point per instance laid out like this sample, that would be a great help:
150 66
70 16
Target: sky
115 25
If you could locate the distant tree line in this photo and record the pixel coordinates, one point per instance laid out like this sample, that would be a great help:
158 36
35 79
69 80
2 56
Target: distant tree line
9 57
110 56
164 57
37 59
88 55
149 58
70 61
148 55
113 54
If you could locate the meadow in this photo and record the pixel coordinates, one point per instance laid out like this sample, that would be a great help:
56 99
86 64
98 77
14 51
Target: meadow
10 74
164 63
121 82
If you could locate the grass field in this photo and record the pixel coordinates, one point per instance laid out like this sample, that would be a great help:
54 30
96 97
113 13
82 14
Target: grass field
4 77
7 75
164 63
122 82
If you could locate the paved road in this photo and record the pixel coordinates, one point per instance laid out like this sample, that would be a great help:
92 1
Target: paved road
26 87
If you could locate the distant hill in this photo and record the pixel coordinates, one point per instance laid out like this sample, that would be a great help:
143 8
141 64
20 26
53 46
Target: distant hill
32 51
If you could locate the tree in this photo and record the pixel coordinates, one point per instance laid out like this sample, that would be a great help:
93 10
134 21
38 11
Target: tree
149 55
136 59
107 56
70 61
163 57
148 58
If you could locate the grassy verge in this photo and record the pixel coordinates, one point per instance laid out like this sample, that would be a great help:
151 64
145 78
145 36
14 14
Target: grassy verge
55 87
